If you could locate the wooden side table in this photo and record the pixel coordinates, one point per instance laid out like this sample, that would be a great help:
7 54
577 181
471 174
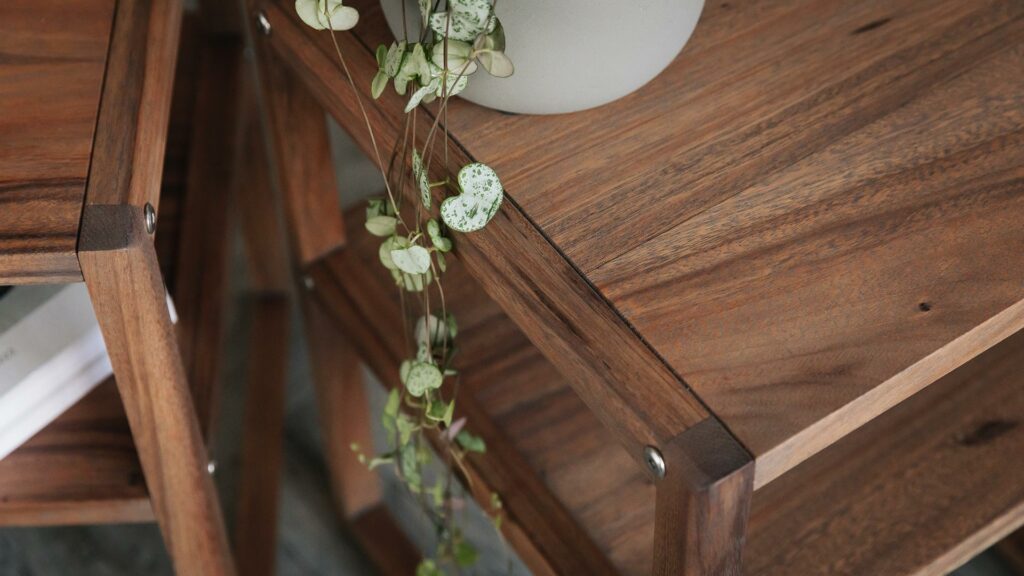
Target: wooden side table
770 277
85 102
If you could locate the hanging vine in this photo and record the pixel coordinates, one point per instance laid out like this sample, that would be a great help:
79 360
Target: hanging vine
458 37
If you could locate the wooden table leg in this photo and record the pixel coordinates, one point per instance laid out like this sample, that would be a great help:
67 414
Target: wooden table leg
120 268
345 420
702 503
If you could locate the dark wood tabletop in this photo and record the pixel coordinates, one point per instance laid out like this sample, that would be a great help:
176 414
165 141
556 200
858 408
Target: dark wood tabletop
52 58
812 214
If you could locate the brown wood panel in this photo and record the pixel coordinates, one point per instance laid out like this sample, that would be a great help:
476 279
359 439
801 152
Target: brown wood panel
844 280
262 444
621 379
201 283
935 474
135 107
919 490
302 159
81 469
129 298
805 185
52 58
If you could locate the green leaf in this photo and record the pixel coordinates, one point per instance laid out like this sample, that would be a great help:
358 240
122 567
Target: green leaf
380 82
410 468
428 567
479 202
323 14
496 63
422 93
430 330
380 461
441 412
382 226
422 178
439 241
376 207
412 260
391 408
420 377
441 265
465 554
382 55
405 429
386 247
453 328
471 443
460 57
469 19
393 59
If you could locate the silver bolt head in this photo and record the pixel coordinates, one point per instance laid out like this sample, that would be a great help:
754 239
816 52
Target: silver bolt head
307 281
263 23
654 461
149 213
211 467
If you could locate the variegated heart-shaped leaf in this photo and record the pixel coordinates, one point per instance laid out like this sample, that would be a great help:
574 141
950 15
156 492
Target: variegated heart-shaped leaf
419 377
422 178
465 20
412 260
479 202
323 14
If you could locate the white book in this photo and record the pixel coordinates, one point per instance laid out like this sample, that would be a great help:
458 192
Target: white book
51 356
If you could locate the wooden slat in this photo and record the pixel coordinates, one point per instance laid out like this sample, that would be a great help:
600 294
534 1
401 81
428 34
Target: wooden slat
920 490
81 469
135 106
51 72
620 378
200 291
262 452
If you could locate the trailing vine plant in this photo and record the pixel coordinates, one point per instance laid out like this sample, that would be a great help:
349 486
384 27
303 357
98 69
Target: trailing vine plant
458 37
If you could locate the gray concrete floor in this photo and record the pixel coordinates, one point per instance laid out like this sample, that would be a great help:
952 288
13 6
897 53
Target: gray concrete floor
311 542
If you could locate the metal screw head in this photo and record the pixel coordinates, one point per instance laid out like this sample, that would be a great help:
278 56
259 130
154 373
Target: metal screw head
149 213
263 23
654 461
307 281
211 467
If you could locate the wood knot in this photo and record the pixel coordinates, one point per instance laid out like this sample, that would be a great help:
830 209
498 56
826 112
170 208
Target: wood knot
986 432
871 26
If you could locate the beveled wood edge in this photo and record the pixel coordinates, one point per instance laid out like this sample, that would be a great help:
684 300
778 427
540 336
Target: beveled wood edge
612 384
302 168
896 389
79 512
130 138
702 503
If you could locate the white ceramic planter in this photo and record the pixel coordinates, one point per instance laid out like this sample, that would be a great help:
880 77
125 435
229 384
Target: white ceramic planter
574 54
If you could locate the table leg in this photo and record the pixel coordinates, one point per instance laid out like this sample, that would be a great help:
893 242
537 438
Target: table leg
702 503
120 269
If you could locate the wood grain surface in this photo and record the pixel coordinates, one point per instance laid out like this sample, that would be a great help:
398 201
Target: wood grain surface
617 375
920 490
81 469
52 59
936 474
812 214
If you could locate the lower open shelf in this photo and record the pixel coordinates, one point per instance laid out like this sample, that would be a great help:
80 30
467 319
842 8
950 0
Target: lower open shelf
917 491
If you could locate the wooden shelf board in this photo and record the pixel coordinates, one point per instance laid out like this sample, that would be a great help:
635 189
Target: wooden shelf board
918 490
81 469
55 55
